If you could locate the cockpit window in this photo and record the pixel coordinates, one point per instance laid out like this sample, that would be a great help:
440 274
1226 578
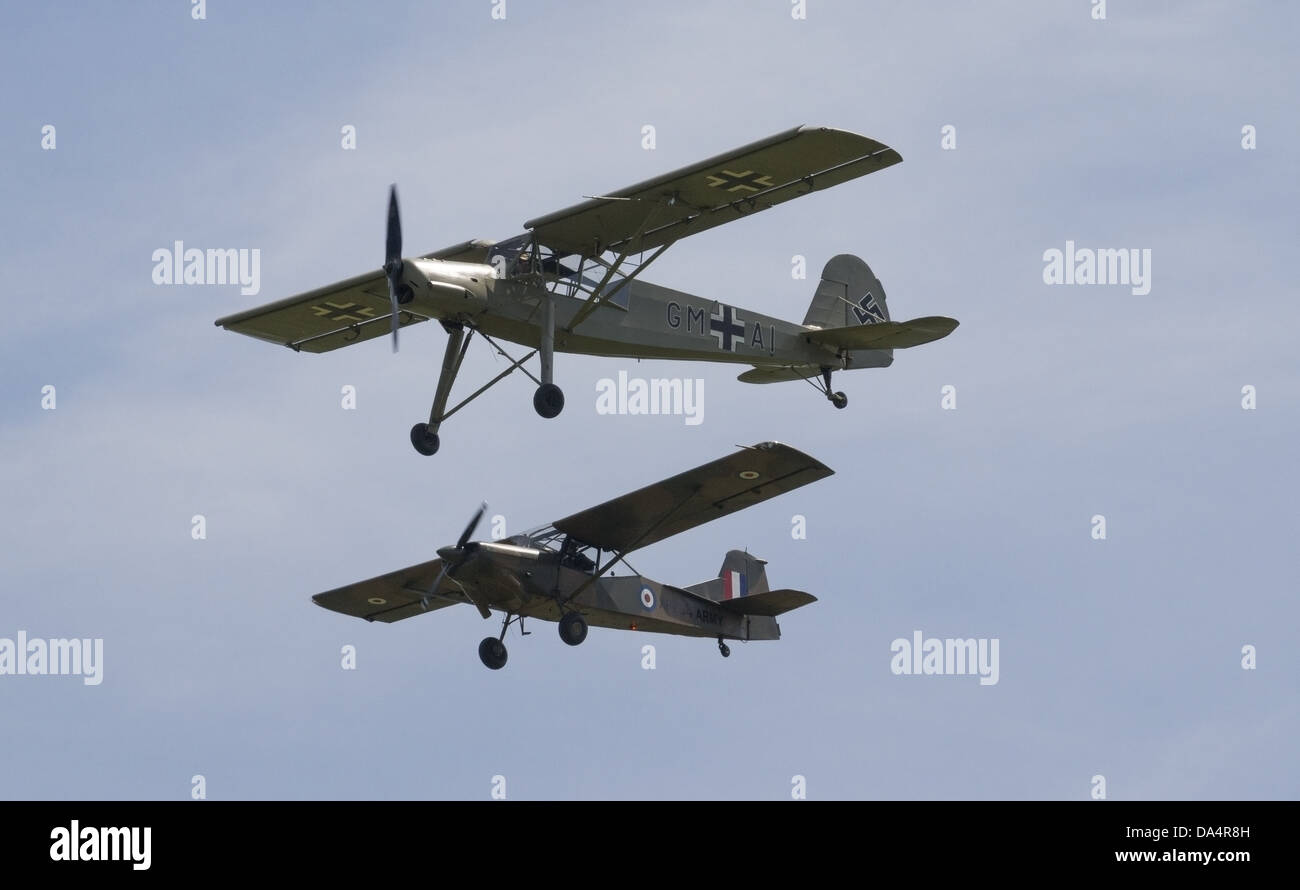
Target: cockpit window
571 555
579 561
520 258
512 259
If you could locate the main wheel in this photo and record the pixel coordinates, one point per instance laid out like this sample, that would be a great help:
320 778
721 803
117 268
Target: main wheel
424 441
573 628
548 401
492 652
839 400
724 649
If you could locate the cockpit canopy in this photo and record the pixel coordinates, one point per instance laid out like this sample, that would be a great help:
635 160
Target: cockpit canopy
573 553
522 258
519 257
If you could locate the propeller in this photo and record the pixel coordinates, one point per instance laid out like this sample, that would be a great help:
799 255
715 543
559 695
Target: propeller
453 557
393 257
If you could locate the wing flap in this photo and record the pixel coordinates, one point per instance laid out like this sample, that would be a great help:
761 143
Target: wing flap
720 189
716 489
887 334
394 596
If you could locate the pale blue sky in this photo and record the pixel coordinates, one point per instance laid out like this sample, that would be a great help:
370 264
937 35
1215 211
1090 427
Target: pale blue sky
1118 657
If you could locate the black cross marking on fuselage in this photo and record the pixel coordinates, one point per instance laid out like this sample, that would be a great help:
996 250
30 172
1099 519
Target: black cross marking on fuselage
867 308
745 179
344 312
726 329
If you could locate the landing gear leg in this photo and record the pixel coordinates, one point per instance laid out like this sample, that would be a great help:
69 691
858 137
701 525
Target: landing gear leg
424 436
548 401
838 399
492 651
724 648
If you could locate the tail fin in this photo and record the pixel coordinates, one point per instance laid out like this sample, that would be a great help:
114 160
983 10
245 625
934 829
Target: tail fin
741 575
848 294
741 589
849 308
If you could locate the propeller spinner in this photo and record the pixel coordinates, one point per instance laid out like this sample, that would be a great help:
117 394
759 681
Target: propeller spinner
454 557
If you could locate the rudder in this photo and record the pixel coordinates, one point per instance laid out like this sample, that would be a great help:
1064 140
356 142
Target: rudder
740 575
848 294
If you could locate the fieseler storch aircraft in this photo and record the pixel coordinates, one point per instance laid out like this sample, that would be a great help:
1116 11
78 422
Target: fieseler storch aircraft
562 572
571 284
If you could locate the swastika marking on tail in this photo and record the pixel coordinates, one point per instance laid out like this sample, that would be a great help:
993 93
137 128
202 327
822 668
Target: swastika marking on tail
867 309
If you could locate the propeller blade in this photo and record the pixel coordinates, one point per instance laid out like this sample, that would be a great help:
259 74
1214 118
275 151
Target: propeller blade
393 247
424 601
473 524
392 298
452 559
393 257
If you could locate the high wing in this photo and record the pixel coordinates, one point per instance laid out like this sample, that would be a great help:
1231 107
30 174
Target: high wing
338 314
642 217
716 489
728 186
394 596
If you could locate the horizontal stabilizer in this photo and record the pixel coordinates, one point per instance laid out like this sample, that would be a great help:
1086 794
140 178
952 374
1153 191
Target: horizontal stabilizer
769 602
887 334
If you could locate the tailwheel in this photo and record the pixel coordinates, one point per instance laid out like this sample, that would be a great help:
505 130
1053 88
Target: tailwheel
548 400
424 441
724 648
838 399
573 628
492 652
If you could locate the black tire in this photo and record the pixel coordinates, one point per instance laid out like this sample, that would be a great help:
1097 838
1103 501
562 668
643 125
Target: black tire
548 401
424 441
492 652
840 400
725 650
573 628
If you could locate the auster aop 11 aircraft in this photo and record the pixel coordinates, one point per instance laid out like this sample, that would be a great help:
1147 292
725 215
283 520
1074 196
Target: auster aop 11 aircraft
556 573
570 284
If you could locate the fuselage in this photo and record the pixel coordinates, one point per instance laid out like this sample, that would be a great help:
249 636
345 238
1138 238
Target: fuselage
540 583
646 321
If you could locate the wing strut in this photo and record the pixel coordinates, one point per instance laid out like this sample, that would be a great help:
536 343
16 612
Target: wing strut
617 556
515 364
424 436
600 297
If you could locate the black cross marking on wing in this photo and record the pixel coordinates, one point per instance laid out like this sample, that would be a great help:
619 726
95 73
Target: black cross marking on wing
734 181
343 311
